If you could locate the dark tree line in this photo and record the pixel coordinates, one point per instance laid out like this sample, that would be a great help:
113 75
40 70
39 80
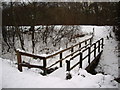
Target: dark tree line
117 27
99 13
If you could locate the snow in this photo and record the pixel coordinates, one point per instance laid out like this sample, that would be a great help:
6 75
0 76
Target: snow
12 78
30 78
109 59
0 74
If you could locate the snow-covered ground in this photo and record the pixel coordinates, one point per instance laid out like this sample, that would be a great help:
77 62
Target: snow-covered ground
0 74
12 78
109 60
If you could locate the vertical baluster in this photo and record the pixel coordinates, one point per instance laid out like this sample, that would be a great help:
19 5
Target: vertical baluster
89 54
80 59
61 58
72 50
94 49
85 42
79 45
90 41
98 46
102 43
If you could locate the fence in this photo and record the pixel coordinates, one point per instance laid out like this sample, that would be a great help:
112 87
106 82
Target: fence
44 67
96 46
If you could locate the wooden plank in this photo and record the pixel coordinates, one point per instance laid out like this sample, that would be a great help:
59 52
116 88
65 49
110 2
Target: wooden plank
74 56
85 57
32 66
30 55
74 65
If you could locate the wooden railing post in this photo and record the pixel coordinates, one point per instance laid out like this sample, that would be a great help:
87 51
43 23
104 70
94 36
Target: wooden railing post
85 42
80 59
99 46
89 49
68 65
72 50
19 61
102 43
94 49
44 65
79 45
61 58
90 41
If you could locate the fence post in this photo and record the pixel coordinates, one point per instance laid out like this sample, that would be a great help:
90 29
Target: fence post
90 41
89 52
68 65
80 59
44 65
79 45
72 50
60 58
85 42
99 46
19 60
102 43
94 49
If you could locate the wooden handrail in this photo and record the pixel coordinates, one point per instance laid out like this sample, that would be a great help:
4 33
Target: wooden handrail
68 56
67 48
88 55
30 55
44 58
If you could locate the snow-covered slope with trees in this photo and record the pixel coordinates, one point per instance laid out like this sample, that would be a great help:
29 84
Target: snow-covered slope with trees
30 78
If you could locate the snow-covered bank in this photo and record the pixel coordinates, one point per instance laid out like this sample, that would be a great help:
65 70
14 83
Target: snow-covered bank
109 59
0 74
12 78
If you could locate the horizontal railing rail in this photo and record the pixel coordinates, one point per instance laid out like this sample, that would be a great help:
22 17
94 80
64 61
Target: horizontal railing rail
80 54
44 66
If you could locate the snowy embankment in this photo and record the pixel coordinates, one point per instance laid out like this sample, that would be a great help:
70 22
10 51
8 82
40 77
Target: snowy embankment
0 74
12 78
109 59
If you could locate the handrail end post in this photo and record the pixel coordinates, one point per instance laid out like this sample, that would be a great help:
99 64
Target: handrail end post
19 61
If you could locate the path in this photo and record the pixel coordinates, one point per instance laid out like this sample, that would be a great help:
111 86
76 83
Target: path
109 60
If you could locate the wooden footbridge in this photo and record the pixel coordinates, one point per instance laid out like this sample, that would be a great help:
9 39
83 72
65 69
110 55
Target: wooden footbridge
84 46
